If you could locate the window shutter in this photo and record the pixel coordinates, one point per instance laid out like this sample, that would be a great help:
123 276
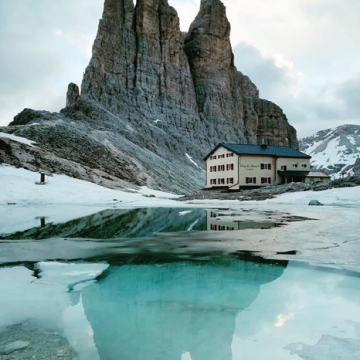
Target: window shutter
269 166
254 180
262 166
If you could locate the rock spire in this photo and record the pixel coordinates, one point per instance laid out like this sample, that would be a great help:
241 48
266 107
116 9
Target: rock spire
154 101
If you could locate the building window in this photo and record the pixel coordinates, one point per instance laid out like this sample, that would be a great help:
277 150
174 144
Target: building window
251 180
230 180
221 156
283 168
213 227
230 155
213 157
265 166
304 165
295 165
222 228
221 167
213 182
229 167
221 181
213 215
266 180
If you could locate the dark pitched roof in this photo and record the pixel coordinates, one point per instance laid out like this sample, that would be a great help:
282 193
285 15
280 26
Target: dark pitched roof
268 150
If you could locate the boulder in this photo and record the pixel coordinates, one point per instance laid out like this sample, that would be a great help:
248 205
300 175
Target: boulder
315 203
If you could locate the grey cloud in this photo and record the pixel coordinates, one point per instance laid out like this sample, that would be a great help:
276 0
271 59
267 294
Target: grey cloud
262 71
43 48
334 105
349 93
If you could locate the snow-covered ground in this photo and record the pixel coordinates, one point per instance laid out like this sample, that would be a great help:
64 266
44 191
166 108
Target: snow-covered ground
334 197
23 203
19 186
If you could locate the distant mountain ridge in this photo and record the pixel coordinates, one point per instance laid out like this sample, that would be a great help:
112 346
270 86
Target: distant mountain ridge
335 151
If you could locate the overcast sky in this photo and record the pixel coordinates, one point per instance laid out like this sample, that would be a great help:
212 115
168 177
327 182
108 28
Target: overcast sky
302 54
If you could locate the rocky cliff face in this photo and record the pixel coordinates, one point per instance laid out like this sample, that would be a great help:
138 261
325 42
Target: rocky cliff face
224 95
154 96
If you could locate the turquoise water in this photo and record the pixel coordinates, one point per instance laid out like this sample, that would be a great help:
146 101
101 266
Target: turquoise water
141 297
227 309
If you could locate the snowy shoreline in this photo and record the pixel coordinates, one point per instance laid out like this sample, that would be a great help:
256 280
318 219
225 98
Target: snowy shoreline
331 241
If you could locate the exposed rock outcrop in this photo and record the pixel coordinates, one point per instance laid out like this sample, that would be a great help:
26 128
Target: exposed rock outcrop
224 93
138 62
153 96
73 95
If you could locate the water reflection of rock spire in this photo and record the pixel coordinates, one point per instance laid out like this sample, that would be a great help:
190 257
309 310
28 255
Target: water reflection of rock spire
160 312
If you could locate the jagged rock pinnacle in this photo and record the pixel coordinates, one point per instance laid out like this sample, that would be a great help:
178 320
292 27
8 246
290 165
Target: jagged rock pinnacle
73 95
153 97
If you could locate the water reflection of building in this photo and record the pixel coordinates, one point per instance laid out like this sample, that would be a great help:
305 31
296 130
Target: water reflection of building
160 312
216 223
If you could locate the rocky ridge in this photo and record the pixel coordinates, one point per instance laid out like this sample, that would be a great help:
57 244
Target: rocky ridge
151 98
335 151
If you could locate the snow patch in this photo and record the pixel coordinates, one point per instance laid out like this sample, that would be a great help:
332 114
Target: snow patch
183 213
159 194
193 162
191 227
18 139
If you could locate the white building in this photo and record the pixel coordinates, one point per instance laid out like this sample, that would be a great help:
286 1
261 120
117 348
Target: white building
237 166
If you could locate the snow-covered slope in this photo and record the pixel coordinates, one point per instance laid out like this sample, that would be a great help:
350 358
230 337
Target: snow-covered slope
334 151
19 186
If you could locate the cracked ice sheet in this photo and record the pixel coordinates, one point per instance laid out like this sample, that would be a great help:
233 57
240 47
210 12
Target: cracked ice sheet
47 303
332 241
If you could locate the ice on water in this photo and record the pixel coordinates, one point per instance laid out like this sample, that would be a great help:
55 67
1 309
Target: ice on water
188 310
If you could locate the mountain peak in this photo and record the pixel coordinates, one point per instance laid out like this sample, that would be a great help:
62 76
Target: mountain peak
153 98
335 150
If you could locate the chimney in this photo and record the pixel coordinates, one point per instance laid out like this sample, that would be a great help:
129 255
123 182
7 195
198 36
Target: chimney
263 145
